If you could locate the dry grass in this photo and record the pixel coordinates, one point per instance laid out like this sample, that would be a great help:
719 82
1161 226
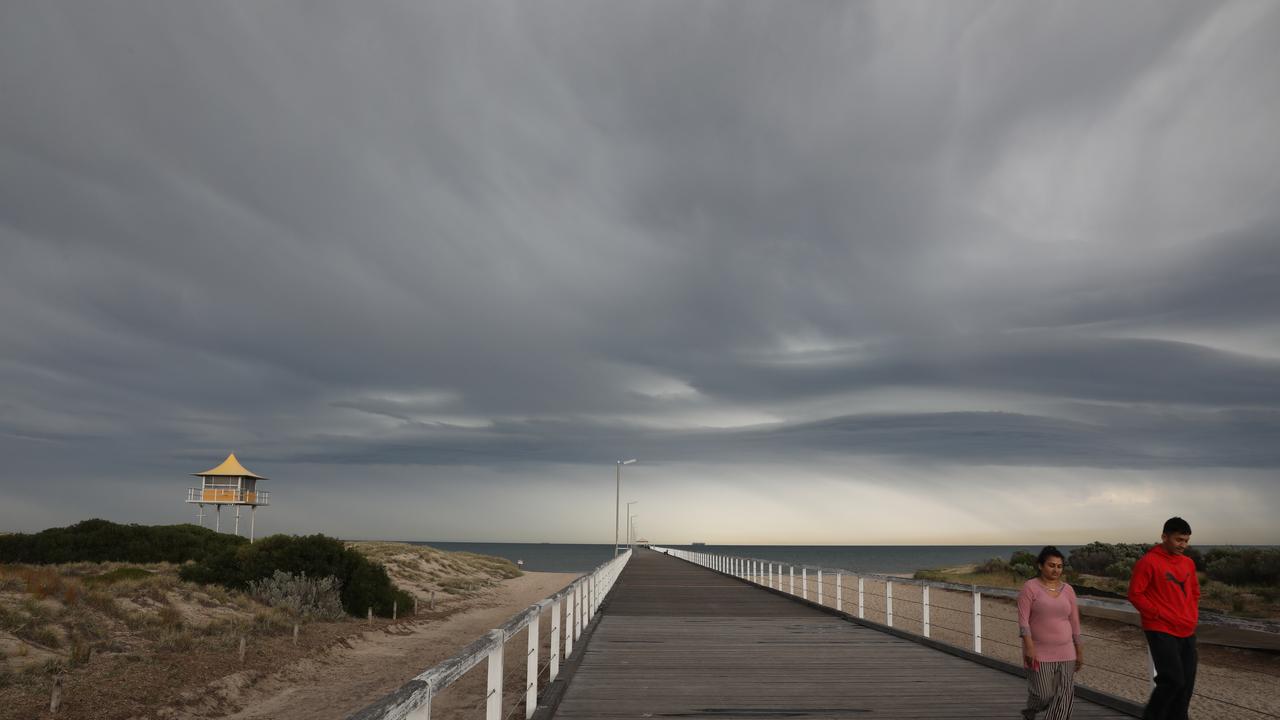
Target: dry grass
427 568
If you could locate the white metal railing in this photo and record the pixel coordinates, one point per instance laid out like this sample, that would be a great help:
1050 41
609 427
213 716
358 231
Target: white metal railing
228 495
580 599
1008 648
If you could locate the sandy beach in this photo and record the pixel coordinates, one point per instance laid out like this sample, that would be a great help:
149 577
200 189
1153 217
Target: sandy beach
361 669
1231 683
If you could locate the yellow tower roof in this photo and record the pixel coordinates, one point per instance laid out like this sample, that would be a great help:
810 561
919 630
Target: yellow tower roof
230 467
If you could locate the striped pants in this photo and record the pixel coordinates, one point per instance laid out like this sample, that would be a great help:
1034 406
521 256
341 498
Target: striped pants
1051 688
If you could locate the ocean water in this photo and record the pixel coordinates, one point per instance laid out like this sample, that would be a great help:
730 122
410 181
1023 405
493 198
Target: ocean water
886 559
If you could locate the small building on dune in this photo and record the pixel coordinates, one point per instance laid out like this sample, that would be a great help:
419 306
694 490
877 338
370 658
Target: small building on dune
229 484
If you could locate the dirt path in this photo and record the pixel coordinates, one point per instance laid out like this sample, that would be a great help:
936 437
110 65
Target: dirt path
353 674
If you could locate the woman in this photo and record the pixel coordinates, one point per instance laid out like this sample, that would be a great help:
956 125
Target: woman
1049 624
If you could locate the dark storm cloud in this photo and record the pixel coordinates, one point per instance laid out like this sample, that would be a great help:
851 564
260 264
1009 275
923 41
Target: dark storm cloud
523 234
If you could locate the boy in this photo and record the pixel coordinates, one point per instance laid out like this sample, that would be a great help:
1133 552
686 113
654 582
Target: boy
1166 592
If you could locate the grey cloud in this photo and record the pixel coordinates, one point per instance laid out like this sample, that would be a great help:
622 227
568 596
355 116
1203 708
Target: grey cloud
501 233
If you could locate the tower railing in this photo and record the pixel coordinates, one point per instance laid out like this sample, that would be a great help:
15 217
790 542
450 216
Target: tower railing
228 495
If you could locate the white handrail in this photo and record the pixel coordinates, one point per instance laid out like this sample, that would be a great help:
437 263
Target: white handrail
581 600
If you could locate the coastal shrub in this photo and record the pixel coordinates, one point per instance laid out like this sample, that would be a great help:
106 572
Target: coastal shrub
1244 566
117 575
104 541
1108 559
363 584
299 595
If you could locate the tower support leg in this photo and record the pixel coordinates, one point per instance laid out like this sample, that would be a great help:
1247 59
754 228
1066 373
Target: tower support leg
237 521
218 519
253 513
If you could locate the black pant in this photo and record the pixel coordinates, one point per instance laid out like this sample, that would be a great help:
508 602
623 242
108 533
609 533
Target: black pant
1175 660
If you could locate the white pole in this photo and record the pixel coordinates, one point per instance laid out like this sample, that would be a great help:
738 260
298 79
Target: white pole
888 602
568 625
924 603
218 526
819 586
237 520
977 622
531 671
253 515
617 506
493 702
792 571
839 593
862 605
804 582
555 640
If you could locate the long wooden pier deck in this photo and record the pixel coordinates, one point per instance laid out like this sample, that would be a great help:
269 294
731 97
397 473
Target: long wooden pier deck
676 640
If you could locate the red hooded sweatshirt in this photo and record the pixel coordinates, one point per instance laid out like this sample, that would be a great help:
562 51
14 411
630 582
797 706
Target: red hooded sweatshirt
1166 592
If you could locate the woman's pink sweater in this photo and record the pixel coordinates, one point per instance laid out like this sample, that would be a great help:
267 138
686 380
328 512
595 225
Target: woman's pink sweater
1052 622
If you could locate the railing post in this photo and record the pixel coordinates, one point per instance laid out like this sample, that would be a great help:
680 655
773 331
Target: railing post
804 582
792 571
577 614
924 604
423 711
555 640
839 593
977 622
862 605
888 602
531 670
819 586
493 701
769 575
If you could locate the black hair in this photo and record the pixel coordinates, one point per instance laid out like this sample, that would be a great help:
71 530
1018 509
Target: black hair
1176 525
1048 552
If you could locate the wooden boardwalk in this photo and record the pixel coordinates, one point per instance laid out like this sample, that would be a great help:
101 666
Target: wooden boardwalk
679 641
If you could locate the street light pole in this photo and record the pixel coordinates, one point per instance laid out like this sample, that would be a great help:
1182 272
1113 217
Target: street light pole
617 503
633 502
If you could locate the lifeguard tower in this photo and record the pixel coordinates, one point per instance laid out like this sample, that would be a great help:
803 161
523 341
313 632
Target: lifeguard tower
229 484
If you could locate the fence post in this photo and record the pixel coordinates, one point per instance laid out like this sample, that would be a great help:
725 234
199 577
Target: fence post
819 586
241 649
493 701
55 698
568 625
924 604
769 575
888 602
977 622
295 633
804 582
395 609
531 674
792 571
839 593
555 639
862 605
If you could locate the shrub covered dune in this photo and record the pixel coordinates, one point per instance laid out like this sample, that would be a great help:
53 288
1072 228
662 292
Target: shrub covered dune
313 566
1239 580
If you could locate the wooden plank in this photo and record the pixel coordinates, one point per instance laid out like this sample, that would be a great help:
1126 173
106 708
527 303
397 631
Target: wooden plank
677 640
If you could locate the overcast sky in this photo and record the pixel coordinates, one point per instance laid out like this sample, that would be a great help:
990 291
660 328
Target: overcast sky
851 273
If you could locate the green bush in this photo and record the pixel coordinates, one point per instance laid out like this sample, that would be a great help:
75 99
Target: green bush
1108 559
364 584
1244 566
104 541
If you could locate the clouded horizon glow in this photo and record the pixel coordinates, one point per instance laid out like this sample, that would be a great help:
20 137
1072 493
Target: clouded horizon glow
848 273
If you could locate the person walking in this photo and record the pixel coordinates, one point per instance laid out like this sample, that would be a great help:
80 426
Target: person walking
1165 590
1049 623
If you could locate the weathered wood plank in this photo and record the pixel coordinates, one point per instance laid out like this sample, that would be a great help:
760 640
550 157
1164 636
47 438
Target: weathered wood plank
677 640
